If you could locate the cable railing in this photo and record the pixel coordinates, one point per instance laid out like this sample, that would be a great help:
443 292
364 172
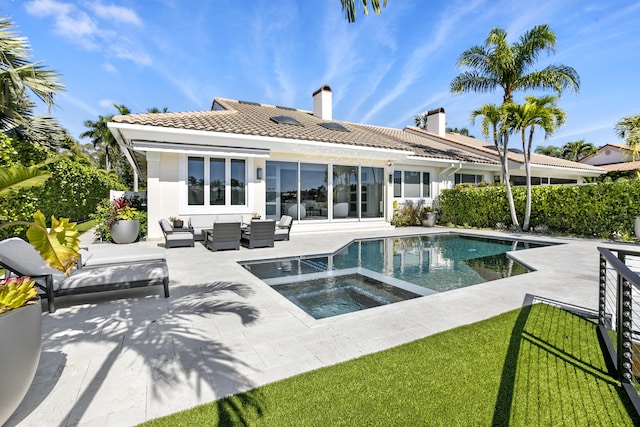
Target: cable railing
619 317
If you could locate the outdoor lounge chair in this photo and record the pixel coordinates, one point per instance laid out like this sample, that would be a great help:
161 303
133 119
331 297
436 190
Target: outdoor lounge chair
260 233
283 228
20 258
107 254
223 235
174 238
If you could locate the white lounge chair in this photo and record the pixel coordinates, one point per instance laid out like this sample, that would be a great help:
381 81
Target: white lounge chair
20 258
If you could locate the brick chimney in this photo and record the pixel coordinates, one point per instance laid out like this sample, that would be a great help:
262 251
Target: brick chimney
322 103
436 122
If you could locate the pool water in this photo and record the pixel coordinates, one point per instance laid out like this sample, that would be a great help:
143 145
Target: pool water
374 272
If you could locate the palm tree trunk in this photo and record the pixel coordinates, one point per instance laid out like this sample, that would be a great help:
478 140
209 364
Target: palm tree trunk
526 151
504 160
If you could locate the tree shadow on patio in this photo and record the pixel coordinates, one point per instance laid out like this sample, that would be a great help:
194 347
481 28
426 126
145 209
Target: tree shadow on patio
142 355
549 363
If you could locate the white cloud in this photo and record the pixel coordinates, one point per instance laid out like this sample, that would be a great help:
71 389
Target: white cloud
116 13
413 69
69 22
107 103
78 26
109 67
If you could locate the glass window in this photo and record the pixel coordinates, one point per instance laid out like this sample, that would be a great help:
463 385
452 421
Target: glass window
313 191
195 181
411 184
222 182
466 178
371 192
426 184
217 183
282 189
397 184
345 192
238 185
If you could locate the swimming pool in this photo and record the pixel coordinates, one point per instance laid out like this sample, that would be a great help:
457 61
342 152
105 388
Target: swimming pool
372 272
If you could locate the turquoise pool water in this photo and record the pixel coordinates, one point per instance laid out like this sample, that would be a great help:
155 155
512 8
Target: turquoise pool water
373 272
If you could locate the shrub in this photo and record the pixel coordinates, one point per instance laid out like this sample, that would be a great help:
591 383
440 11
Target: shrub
604 210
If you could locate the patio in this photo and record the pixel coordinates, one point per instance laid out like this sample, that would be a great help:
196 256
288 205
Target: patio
122 358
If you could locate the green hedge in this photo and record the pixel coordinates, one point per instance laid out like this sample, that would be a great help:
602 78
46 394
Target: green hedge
73 191
603 210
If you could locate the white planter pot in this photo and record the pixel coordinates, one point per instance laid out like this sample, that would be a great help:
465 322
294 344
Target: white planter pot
125 230
20 341
431 219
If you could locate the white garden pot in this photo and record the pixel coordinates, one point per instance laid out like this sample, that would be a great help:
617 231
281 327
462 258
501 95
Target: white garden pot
125 230
20 341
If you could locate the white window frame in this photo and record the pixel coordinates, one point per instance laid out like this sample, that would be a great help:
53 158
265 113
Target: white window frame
421 171
186 208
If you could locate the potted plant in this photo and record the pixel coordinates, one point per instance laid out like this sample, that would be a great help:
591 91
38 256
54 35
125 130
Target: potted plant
118 220
20 341
176 221
20 312
428 216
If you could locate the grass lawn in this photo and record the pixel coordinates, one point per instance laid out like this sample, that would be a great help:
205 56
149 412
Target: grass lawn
537 365
83 227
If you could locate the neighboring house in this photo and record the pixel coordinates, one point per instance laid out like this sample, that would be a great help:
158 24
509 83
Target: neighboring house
613 158
245 158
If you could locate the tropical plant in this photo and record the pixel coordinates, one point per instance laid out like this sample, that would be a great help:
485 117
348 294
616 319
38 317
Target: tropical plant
19 76
535 112
549 150
349 8
101 136
628 128
494 125
577 150
510 67
16 293
420 120
461 131
109 212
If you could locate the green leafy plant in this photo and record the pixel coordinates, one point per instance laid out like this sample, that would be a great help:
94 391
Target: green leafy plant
408 214
16 293
109 212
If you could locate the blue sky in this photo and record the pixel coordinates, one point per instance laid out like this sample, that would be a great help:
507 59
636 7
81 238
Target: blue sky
383 69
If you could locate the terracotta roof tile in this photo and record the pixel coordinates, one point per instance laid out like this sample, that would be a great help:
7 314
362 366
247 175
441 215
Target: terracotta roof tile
255 119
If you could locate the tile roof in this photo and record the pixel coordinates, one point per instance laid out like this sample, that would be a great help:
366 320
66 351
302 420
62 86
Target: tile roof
250 118
488 148
620 167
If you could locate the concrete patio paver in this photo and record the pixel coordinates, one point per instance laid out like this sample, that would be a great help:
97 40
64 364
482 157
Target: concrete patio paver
120 358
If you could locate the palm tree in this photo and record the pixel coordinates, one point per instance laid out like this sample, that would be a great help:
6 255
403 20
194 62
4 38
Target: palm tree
349 8
461 131
19 76
628 128
576 150
498 64
420 120
101 136
536 112
549 150
494 124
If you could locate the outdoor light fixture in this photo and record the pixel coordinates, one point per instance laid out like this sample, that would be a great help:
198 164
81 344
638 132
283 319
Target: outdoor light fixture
259 173
390 178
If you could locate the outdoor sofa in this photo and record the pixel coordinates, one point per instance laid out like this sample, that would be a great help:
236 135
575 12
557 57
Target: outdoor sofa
20 258
260 233
202 222
223 235
176 237
283 228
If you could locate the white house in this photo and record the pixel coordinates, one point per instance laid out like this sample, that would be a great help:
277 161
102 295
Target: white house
245 158
613 158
